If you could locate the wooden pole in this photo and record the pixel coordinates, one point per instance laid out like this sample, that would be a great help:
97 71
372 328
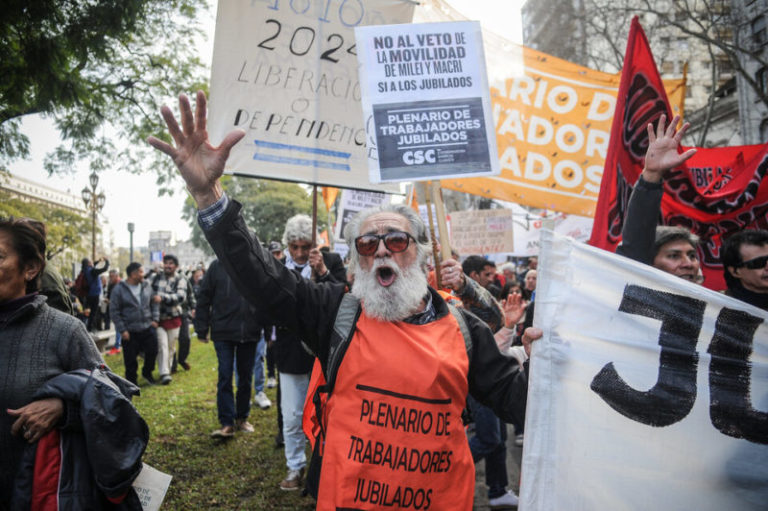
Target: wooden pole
432 234
314 215
442 225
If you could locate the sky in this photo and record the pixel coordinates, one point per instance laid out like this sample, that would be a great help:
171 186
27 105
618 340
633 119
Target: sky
132 197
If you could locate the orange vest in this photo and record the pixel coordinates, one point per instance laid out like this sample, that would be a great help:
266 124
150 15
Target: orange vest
395 439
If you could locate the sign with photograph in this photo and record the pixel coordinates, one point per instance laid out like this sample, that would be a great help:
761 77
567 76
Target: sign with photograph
352 202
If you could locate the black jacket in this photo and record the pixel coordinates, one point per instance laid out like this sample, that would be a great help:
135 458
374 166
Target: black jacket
100 447
309 309
290 355
222 313
639 230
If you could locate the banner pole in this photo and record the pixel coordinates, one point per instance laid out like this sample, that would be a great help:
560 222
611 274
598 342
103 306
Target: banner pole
435 258
314 215
442 225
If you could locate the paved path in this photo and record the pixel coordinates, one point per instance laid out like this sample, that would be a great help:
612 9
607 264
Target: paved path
514 458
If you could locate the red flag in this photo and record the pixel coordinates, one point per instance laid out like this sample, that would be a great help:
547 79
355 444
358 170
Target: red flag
715 193
641 100
718 192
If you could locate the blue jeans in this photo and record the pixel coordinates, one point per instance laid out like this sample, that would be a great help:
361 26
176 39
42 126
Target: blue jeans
293 390
230 354
258 369
490 442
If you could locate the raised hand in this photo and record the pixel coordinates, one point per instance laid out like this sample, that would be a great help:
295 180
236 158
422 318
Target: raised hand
662 154
199 163
513 307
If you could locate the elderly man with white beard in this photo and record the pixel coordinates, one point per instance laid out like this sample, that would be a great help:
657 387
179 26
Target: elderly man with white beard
394 436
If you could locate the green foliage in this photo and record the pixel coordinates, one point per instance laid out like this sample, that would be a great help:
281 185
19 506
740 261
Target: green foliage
96 64
267 205
66 229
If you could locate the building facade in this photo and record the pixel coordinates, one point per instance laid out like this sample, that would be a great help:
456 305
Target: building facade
721 104
751 29
31 191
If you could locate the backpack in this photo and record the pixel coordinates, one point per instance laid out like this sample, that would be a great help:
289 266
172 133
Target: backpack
323 378
81 286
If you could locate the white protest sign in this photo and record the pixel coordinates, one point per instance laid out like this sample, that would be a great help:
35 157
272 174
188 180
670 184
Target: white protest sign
485 231
528 233
351 203
645 392
151 486
286 73
426 98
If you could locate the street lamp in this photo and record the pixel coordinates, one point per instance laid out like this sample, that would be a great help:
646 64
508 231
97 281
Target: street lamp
130 230
95 202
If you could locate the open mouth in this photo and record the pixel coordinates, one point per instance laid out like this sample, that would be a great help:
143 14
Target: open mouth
385 276
688 277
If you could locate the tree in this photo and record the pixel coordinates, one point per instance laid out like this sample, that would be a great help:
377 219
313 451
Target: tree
678 31
267 205
96 67
67 232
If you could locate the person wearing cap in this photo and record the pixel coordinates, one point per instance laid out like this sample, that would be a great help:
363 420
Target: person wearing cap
276 249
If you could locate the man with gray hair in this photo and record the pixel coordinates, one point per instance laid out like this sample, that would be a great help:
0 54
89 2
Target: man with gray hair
294 363
393 433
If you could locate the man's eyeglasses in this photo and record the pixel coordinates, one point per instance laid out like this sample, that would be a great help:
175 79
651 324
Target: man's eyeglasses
395 241
756 263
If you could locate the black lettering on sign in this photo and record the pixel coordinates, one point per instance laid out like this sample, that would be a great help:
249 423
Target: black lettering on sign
674 393
730 407
382 494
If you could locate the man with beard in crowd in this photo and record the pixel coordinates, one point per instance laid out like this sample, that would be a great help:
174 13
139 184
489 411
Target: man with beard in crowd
407 356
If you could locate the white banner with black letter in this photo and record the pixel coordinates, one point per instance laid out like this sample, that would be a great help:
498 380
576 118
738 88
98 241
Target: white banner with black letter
425 90
286 73
646 391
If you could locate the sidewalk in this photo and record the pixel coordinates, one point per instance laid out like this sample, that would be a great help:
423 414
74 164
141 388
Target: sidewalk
514 459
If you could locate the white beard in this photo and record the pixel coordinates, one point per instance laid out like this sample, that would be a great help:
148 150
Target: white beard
396 302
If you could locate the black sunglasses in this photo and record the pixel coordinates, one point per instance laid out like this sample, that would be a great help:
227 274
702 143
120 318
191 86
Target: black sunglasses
395 241
756 263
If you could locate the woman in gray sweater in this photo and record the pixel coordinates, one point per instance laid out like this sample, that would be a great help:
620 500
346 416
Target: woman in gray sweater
37 343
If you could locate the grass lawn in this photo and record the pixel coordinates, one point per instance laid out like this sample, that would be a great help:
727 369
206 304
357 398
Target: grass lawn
240 473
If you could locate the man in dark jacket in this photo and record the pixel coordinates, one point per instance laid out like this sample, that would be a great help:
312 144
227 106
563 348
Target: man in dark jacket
407 349
230 321
135 316
745 266
294 363
92 272
669 248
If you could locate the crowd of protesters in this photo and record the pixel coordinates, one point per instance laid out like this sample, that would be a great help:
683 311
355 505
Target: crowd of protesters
283 304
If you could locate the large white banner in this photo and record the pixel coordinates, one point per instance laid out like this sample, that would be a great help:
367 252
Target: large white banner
424 87
646 391
286 73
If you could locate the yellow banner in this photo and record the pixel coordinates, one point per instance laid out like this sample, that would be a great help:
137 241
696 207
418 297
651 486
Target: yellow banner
553 124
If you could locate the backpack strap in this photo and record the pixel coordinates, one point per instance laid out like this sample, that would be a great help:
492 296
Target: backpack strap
463 327
343 329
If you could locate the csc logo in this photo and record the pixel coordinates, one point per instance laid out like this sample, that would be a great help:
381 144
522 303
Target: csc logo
419 157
